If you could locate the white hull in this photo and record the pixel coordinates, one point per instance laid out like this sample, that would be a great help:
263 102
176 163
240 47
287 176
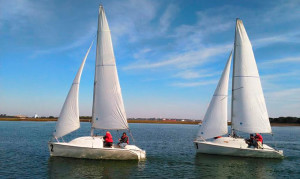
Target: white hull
92 148
235 147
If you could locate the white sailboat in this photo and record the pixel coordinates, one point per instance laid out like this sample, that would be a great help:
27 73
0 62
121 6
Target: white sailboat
108 108
248 111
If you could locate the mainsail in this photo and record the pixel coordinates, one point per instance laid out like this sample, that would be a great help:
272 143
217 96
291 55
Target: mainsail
249 112
68 120
215 120
108 107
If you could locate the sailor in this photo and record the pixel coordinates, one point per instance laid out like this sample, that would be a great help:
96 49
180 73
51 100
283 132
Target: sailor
124 140
108 140
259 140
250 141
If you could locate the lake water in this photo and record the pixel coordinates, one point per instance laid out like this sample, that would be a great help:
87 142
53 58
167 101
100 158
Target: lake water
170 154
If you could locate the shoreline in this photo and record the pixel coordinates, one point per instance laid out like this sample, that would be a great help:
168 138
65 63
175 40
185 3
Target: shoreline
134 121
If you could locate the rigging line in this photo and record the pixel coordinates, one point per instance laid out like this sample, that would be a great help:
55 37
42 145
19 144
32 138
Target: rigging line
118 133
131 136
274 141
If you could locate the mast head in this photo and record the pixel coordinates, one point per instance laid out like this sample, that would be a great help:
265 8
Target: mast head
100 7
238 20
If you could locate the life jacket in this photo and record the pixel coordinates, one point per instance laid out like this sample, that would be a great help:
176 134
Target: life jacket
123 138
108 137
258 137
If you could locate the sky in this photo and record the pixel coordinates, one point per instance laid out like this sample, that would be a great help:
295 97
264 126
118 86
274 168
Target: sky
169 54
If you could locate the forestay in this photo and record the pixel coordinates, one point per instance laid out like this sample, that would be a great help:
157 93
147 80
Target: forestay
249 113
215 120
68 120
108 107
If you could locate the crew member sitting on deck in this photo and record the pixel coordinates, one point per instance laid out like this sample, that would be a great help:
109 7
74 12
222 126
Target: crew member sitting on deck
124 140
250 141
108 140
259 141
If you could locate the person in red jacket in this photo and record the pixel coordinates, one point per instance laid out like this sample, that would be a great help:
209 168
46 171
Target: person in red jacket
259 140
108 140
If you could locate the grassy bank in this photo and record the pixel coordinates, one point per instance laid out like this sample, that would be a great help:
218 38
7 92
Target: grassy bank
133 121
88 120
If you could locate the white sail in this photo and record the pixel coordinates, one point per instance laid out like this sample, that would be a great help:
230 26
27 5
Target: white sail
108 107
68 120
249 112
215 120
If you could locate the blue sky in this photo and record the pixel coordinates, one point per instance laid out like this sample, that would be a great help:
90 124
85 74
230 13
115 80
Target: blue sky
170 54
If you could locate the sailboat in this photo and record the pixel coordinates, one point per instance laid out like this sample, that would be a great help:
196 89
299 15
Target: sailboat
108 111
248 109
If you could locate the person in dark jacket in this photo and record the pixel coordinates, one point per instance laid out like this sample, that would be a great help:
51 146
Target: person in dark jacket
250 141
108 140
124 139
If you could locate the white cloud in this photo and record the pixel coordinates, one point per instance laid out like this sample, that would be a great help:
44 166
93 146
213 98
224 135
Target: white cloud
132 18
289 37
278 76
167 17
80 41
190 74
141 54
18 15
284 102
282 60
193 84
287 94
185 59
282 11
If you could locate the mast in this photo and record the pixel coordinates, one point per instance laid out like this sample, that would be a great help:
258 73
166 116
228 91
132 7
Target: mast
233 73
92 128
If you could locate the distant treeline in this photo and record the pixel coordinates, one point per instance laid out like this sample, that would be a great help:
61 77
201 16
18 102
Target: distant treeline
285 120
288 120
272 120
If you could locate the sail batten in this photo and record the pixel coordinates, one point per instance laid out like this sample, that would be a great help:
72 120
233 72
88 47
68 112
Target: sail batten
68 120
108 108
249 112
215 120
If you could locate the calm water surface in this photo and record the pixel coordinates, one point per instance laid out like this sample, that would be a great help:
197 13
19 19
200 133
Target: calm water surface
170 154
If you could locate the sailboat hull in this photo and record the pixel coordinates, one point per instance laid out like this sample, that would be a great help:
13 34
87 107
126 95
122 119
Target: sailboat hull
235 147
92 148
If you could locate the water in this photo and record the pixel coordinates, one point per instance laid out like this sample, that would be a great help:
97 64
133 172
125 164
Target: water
170 154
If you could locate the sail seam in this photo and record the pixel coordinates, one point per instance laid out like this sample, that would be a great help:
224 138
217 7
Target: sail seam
105 65
247 76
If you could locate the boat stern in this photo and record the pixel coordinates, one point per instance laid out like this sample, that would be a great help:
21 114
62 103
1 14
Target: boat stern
142 155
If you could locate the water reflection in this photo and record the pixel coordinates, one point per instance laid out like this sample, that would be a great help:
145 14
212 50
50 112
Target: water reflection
227 166
59 167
